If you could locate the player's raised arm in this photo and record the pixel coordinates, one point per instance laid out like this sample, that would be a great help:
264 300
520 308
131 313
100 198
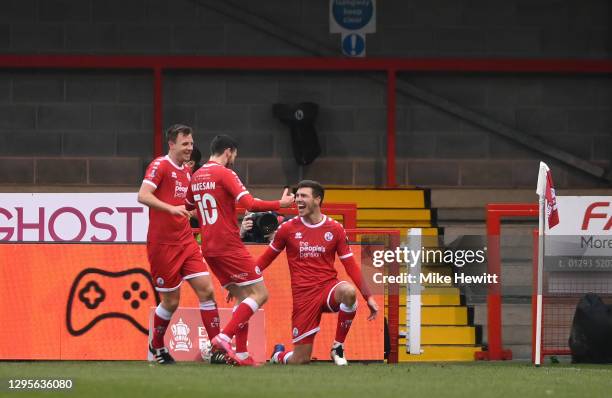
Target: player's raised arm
254 204
233 184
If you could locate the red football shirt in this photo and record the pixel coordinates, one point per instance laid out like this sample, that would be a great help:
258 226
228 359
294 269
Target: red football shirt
171 183
214 190
311 251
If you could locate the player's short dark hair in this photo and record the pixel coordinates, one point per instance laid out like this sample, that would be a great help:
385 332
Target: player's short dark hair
317 188
176 129
222 142
196 158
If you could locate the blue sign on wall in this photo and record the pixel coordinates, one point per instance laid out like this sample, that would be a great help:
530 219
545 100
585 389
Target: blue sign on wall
352 14
353 19
353 45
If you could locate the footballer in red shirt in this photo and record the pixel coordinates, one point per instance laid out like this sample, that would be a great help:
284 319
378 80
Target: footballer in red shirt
214 191
312 241
173 253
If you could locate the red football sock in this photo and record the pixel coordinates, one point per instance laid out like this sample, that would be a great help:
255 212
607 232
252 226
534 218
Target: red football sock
242 336
241 316
345 319
161 319
210 318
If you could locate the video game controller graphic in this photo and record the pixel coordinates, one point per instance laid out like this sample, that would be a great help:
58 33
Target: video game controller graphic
97 294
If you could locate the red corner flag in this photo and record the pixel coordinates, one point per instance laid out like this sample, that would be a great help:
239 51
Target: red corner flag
546 188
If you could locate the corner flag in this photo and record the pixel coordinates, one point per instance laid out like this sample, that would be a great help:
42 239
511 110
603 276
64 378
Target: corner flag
546 189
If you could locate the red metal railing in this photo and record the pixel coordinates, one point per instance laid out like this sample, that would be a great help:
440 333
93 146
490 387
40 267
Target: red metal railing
393 303
495 213
159 64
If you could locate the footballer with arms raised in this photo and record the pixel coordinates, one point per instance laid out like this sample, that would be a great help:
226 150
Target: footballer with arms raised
173 253
215 190
312 241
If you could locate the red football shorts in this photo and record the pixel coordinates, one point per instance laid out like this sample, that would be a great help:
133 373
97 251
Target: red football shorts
237 268
171 264
307 311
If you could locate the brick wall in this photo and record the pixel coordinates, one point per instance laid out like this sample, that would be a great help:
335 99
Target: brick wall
60 127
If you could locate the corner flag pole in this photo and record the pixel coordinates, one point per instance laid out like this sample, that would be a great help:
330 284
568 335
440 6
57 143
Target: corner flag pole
538 342
541 191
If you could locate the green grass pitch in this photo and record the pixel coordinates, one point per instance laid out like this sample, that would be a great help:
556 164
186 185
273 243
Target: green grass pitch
140 379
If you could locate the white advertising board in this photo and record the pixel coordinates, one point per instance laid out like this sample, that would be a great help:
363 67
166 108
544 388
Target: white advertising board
72 217
584 229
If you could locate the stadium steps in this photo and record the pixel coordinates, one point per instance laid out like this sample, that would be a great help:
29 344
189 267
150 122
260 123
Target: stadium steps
459 335
433 296
394 216
441 315
388 208
444 353
441 299
436 299
448 332
380 198
426 230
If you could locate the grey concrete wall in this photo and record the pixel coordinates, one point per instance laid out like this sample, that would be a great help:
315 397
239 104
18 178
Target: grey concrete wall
74 128
51 119
526 28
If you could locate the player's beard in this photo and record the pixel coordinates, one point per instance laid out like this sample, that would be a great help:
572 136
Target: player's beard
230 163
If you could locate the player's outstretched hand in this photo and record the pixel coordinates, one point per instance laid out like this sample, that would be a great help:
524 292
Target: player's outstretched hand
179 211
373 308
287 199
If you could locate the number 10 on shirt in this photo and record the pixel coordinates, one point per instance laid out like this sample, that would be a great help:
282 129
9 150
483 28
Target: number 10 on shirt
208 208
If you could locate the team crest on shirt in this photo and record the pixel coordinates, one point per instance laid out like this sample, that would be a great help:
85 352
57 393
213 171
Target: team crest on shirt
328 236
298 235
174 175
295 332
